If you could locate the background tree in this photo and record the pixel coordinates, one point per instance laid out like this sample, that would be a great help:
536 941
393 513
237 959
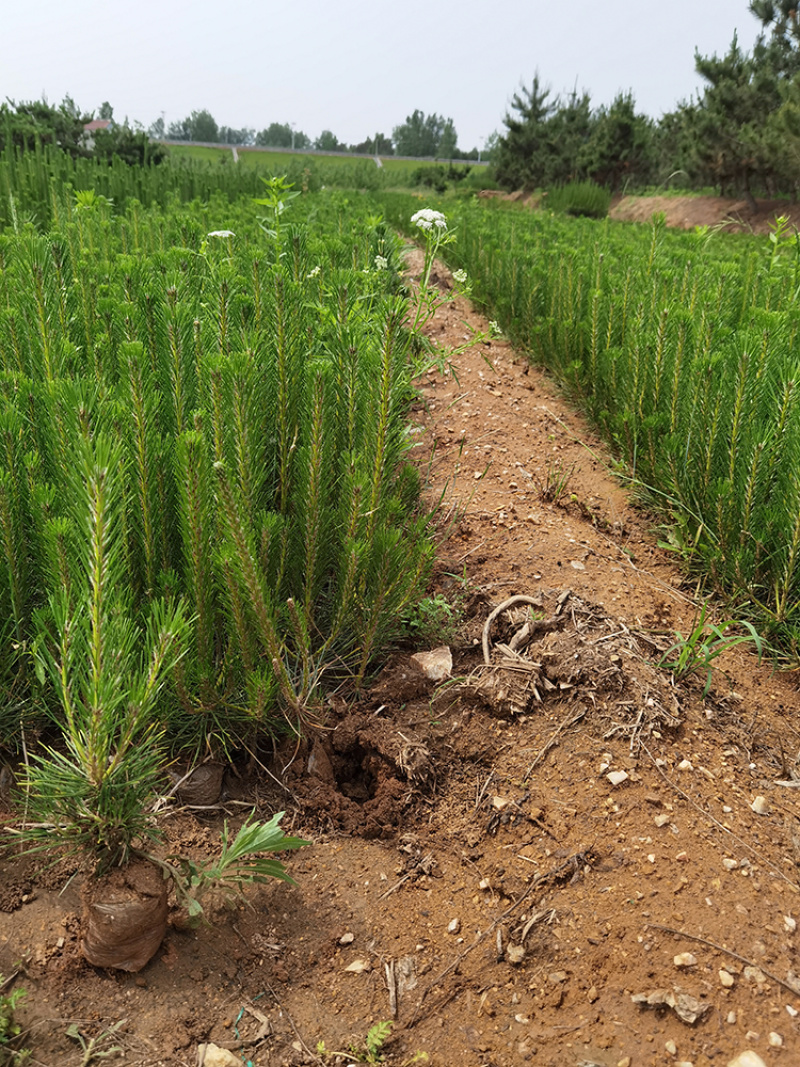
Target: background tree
157 129
620 146
28 122
521 149
328 142
230 135
425 135
379 145
199 126
280 134
105 111
132 146
732 132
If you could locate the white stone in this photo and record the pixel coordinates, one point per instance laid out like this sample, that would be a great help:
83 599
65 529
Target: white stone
726 979
437 664
790 923
617 777
454 926
774 1040
685 959
214 1056
761 806
685 765
671 1048
747 1059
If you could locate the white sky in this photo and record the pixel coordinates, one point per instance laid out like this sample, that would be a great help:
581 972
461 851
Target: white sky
354 66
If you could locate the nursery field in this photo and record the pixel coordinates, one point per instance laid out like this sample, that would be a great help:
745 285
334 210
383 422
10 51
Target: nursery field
271 160
256 461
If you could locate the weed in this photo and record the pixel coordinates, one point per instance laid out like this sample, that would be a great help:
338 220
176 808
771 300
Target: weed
372 1049
92 1047
556 484
240 863
700 648
11 1055
433 618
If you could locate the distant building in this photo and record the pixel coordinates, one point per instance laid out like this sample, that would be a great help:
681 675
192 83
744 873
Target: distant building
91 128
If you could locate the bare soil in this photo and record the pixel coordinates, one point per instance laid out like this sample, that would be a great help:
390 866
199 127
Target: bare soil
550 859
686 212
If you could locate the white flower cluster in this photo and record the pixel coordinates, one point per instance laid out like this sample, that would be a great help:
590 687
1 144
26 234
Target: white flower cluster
381 263
427 218
221 233
313 273
459 276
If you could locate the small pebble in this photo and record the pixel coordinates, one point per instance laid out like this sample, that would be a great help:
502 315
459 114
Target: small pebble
790 923
454 926
731 1017
617 777
761 806
661 820
685 959
729 864
774 1040
685 765
671 1048
624 1062
792 1011
726 979
515 954
347 939
592 995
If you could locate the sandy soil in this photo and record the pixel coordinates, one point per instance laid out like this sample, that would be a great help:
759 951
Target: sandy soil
551 859
686 212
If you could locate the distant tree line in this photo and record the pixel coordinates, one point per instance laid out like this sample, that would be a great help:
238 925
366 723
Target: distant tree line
24 124
740 134
420 135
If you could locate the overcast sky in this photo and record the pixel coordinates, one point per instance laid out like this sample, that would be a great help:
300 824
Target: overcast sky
352 66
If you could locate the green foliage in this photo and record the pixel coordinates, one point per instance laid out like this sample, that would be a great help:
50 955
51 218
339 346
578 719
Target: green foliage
281 135
98 1047
241 862
433 618
107 676
431 136
550 141
29 125
251 398
11 1055
198 126
580 198
707 641
683 349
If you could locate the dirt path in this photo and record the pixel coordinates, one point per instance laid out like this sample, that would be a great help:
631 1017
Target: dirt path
503 863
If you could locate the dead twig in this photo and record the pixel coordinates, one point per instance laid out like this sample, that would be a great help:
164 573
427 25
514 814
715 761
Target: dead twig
534 601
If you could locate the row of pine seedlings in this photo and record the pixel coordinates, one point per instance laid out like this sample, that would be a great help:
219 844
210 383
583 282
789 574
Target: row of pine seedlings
684 348
207 513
